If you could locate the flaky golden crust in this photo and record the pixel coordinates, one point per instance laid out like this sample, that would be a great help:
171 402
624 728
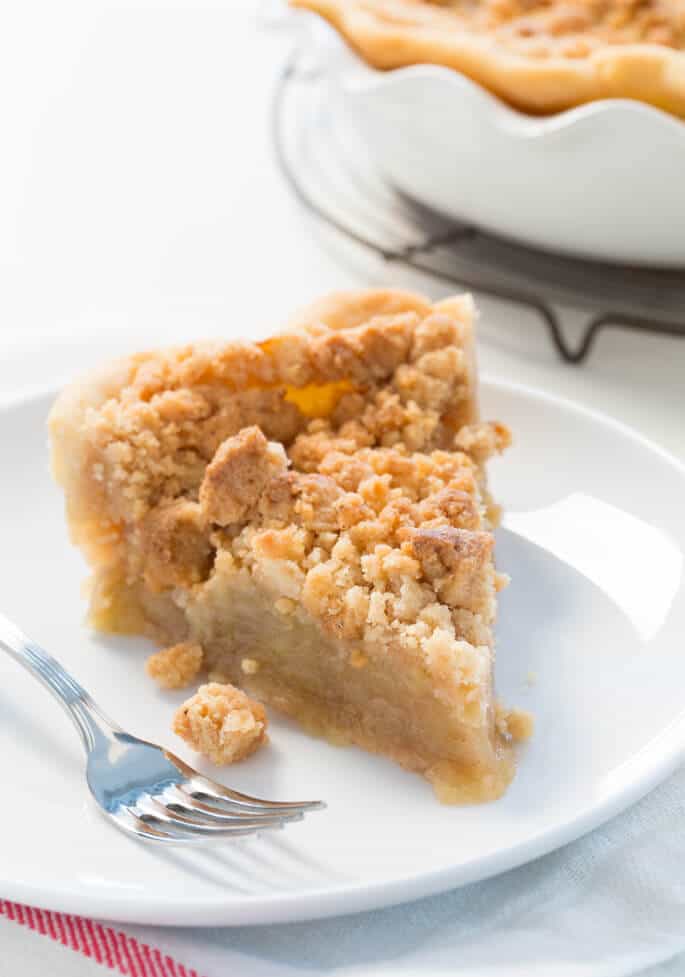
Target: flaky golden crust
541 58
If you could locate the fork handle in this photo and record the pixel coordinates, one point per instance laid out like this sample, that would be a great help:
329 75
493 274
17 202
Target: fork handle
85 714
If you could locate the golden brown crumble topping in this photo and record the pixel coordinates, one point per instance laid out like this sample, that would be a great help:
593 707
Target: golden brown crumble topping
175 667
221 723
153 442
346 543
237 474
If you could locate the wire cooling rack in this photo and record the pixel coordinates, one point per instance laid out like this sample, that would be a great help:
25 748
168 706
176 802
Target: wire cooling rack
328 169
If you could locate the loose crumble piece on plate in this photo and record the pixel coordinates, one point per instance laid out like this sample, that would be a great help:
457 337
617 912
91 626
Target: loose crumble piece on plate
221 723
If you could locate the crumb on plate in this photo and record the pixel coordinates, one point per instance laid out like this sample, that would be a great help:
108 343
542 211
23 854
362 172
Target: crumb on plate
221 723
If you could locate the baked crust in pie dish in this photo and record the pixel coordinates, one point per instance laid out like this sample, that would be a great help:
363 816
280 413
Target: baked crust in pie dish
541 56
308 517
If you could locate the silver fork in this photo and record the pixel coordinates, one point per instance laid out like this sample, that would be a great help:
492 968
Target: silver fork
145 790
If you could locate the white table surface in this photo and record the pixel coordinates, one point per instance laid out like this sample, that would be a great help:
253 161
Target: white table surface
140 203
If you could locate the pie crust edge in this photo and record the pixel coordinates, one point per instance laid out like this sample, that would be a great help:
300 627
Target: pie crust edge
650 73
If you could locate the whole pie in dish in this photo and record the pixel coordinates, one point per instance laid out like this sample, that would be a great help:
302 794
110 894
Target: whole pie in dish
541 56
308 516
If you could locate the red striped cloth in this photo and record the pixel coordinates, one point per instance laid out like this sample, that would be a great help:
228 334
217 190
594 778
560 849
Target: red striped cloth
102 944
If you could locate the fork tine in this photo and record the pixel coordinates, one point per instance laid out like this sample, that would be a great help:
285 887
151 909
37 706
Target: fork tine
200 787
149 812
185 809
130 822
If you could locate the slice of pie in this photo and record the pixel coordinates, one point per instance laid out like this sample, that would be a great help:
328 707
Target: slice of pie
312 513
541 56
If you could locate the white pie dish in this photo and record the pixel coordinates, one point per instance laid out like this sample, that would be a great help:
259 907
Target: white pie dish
595 612
602 181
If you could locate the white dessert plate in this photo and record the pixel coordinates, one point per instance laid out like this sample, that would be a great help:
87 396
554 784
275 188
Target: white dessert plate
590 639
601 181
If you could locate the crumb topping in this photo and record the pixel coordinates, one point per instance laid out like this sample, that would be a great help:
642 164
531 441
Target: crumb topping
381 545
237 474
221 723
158 438
175 667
